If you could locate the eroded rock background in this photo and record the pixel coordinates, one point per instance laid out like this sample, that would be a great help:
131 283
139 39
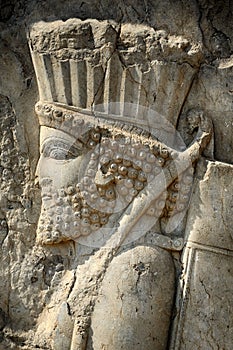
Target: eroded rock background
28 277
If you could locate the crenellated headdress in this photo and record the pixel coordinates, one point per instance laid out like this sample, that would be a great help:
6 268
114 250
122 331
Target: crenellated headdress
99 72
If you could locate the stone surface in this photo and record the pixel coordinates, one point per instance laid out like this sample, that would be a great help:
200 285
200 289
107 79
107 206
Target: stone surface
107 175
209 220
212 92
205 290
135 316
206 316
178 56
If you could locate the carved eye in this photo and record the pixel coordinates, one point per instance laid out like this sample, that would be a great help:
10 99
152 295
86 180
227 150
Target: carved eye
60 150
58 154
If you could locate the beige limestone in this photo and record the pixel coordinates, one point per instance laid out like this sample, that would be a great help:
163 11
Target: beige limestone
107 175
135 316
210 220
204 299
45 286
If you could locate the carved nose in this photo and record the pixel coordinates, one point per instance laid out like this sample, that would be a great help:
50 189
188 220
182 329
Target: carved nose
37 172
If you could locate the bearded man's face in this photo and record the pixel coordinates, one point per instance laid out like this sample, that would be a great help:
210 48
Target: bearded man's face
87 182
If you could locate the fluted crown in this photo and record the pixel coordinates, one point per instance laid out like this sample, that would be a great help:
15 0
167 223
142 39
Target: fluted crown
102 66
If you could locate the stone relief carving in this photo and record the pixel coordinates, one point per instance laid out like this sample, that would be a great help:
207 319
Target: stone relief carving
114 174
66 57
79 293
110 167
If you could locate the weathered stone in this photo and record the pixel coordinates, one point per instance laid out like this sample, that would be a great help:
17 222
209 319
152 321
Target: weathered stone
212 93
209 220
135 316
127 68
106 181
206 286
